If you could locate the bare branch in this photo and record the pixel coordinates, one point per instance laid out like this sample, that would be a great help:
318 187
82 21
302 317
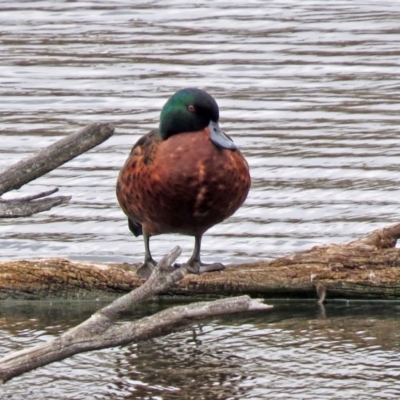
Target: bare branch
53 156
99 331
31 197
384 238
42 162
17 208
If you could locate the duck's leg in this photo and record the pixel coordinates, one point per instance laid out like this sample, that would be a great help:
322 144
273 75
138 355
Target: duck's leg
146 269
194 264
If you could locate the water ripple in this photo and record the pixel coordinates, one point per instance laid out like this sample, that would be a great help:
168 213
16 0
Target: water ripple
310 95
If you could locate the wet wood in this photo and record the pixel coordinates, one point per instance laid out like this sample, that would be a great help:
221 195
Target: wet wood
43 162
364 269
100 330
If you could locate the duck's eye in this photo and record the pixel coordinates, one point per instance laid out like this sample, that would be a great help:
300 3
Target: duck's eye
192 108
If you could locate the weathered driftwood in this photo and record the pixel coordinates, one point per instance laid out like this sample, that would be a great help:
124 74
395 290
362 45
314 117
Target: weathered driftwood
41 163
363 269
100 330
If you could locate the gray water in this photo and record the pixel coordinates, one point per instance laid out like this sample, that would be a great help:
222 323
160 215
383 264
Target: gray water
296 351
309 92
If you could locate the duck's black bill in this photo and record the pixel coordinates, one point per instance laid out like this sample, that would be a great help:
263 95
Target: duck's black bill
219 138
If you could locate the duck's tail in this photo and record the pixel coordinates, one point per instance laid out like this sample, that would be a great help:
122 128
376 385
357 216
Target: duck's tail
135 227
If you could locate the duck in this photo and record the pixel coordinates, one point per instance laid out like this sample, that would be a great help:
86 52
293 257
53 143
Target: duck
183 178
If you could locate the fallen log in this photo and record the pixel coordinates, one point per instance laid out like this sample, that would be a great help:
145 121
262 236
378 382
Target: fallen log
101 331
364 269
43 162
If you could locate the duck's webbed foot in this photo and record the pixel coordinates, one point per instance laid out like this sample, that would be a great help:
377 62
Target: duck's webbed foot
146 269
197 267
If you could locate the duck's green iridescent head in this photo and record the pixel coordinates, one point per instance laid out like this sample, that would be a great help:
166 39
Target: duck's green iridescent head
192 110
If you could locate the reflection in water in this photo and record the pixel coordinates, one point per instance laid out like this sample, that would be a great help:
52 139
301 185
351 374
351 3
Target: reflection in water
310 95
289 352
188 368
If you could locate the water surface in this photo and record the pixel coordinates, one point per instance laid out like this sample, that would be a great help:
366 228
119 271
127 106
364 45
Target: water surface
308 91
297 351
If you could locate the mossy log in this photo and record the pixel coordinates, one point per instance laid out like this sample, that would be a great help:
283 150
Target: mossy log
364 269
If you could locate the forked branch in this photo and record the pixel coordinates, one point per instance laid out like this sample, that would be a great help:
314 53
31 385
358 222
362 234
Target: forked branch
44 161
100 330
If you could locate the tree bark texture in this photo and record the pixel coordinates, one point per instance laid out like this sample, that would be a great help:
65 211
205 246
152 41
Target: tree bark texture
364 269
100 330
